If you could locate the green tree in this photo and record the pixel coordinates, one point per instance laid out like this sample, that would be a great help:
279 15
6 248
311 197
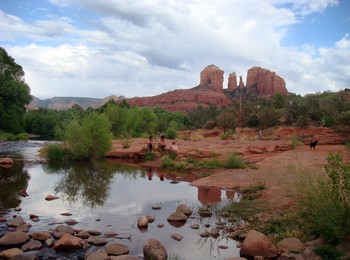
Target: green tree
14 94
89 139
226 120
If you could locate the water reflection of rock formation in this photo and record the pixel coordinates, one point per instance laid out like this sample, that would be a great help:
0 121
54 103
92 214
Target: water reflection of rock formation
209 195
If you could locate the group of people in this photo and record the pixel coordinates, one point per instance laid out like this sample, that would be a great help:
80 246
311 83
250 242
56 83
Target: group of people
161 145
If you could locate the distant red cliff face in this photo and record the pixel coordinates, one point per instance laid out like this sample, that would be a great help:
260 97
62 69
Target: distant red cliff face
210 91
183 100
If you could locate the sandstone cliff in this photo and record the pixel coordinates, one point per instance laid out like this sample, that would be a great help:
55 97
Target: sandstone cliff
184 100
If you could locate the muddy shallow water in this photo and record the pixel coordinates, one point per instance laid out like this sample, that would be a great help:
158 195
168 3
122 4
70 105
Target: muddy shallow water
110 196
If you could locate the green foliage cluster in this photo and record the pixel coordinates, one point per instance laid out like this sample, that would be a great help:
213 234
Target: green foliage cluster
11 137
14 94
321 109
324 200
88 138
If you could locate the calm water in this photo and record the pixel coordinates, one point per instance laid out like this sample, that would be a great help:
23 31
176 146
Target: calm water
110 196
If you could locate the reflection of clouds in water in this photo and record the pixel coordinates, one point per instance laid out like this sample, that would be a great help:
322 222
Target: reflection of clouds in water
131 195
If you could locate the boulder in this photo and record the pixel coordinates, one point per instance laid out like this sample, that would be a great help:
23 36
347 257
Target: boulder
14 238
257 244
290 244
184 209
41 235
6 160
99 255
214 232
117 249
16 222
51 197
177 237
97 241
142 222
177 217
71 222
68 242
153 249
61 230
31 245
10 253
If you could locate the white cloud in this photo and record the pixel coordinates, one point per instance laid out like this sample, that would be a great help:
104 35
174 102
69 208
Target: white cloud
143 48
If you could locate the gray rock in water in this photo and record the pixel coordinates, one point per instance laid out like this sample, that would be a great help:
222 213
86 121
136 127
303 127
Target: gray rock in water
184 209
194 226
117 249
177 217
177 237
214 232
61 230
99 255
94 232
71 222
51 197
97 241
14 238
153 249
30 255
10 253
142 222
68 242
41 235
16 222
205 234
32 245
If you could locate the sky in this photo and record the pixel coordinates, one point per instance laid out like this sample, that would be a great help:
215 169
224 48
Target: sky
98 48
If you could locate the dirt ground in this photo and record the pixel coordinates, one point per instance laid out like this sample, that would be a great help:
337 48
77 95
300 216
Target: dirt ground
275 161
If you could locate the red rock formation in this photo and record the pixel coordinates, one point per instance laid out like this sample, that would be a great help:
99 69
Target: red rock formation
232 81
213 77
183 100
241 84
268 82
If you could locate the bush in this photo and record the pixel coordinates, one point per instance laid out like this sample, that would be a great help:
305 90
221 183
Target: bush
57 152
89 139
167 162
324 200
233 161
22 136
328 252
294 142
7 137
171 133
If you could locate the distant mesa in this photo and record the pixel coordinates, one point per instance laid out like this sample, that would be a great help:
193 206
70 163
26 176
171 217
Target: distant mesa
260 83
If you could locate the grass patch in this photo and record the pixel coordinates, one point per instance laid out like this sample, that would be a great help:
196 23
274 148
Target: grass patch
328 252
57 152
323 200
233 161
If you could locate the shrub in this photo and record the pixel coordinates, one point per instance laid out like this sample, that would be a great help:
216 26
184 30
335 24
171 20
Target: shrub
171 133
294 142
89 139
328 252
233 161
57 152
7 136
225 135
167 162
22 136
126 142
324 200
196 137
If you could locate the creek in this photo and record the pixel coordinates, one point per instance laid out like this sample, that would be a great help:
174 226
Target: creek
110 195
